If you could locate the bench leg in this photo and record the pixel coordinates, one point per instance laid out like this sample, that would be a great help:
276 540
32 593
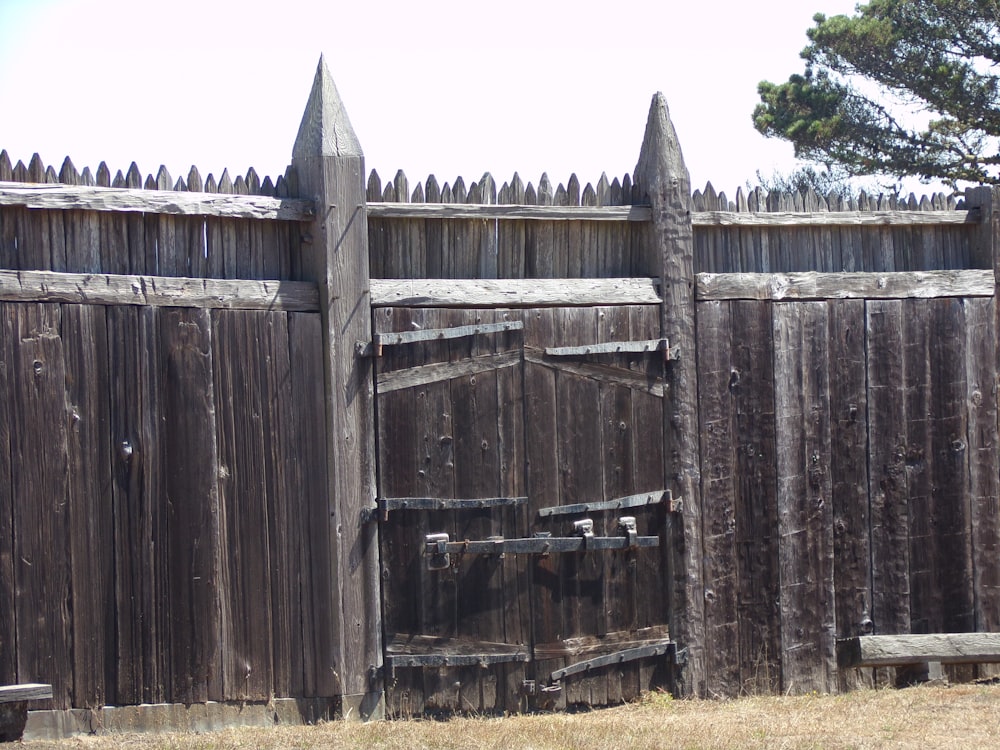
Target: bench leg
13 717
922 672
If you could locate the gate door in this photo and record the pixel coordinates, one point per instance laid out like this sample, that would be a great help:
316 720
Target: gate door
522 509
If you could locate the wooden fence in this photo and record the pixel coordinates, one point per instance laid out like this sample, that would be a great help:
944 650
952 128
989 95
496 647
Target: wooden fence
234 413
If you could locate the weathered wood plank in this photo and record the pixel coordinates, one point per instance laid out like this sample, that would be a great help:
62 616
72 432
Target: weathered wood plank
31 691
190 494
751 388
241 346
311 574
40 491
139 523
805 510
411 377
332 170
84 198
480 211
888 477
8 629
91 509
718 473
897 650
637 381
105 289
833 218
669 254
811 285
513 292
981 368
849 471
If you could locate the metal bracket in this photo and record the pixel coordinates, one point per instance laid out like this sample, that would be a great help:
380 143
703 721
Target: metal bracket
438 557
674 504
585 528
626 524
618 657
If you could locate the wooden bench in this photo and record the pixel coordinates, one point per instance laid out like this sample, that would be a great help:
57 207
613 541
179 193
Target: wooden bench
14 707
918 656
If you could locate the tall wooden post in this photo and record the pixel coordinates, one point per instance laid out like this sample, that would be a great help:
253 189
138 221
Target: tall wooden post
331 170
663 179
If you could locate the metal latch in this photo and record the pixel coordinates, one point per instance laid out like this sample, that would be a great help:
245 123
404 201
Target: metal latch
626 525
674 504
585 528
437 552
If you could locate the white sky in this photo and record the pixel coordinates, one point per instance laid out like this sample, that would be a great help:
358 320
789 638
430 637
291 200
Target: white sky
431 86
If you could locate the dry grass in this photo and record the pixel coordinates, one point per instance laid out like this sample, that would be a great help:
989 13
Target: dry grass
966 716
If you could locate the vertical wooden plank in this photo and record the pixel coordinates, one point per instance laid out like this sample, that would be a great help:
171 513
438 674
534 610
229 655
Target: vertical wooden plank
718 465
617 608
981 366
649 466
283 420
751 386
888 477
668 254
319 615
40 491
543 489
331 170
90 504
241 347
950 470
925 603
8 640
514 521
805 510
479 580
578 442
190 491
140 591
849 469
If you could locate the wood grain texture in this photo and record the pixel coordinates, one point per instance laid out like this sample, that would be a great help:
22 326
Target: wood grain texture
513 292
669 254
805 510
40 492
90 504
8 627
888 475
849 471
718 471
810 285
330 169
84 198
472 211
160 291
191 499
893 650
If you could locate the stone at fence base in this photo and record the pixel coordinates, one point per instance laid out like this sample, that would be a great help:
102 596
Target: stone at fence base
176 717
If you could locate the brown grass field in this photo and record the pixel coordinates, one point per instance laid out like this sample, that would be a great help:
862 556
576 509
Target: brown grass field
961 716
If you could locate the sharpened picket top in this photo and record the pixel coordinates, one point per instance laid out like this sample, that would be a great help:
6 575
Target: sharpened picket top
330 165
663 180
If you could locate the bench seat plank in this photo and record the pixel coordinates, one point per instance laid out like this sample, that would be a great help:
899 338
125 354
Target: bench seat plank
897 650
26 692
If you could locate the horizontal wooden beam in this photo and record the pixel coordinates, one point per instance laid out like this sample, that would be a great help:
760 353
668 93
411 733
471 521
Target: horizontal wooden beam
598 372
897 650
507 211
642 213
157 291
513 292
812 285
411 377
85 198
27 692
833 218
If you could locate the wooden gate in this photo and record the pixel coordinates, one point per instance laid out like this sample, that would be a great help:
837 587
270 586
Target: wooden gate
522 502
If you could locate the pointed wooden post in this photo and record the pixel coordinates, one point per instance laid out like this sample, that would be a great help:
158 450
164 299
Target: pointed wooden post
331 170
663 179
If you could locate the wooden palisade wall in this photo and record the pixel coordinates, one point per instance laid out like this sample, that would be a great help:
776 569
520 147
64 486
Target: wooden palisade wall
178 525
